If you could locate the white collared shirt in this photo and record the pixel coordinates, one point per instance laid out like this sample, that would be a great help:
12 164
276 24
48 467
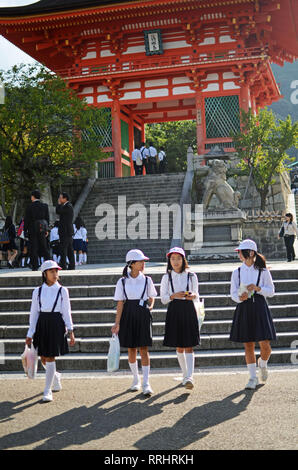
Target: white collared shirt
249 275
78 233
152 152
144 152
84 233
134 288
54 234
48 297
290 228
135 154
161 155
179 284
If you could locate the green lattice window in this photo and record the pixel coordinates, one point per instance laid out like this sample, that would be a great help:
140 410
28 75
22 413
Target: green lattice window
102 133
222 116
124 135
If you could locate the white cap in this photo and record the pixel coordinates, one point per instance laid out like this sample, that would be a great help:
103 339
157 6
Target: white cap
135 255
247 245
178 250
49 264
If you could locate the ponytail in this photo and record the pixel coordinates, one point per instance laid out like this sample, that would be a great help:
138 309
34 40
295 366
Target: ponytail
125 270
125 273
260 262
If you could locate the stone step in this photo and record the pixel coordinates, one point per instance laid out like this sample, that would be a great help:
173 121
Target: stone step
97 345
159 315
219 287
103 330
220 301
286 312
28 278
210 358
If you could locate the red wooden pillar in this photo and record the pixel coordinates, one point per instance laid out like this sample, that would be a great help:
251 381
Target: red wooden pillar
131 144
116 137
244 98
200 123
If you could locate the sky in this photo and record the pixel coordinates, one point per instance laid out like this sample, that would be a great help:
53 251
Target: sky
9 54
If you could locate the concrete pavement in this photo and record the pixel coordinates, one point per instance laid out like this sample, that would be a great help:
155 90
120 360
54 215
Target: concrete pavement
98 412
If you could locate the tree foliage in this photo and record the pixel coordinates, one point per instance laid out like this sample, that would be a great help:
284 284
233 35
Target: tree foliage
262 146
46 131
175 138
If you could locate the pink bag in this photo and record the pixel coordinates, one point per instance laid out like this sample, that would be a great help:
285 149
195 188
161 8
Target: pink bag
29 361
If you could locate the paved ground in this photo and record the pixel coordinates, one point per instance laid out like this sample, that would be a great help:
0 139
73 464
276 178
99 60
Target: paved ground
99 413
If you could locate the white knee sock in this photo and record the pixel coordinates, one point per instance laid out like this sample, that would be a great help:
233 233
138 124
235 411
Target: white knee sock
80 258
134 369
50 374
182 363
262 363
146 370
85 257
190 364
252 368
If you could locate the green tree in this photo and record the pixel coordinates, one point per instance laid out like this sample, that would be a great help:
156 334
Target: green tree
262 146
175 138
46 131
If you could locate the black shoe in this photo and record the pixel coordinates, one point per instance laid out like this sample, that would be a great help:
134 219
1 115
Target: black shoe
10 266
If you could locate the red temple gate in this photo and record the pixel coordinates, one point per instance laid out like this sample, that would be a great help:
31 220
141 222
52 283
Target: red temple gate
161 60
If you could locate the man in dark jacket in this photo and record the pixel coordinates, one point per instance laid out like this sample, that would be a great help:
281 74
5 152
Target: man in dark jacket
36 225
65 210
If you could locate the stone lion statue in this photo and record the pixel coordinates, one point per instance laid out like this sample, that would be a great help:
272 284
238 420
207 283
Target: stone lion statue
216 183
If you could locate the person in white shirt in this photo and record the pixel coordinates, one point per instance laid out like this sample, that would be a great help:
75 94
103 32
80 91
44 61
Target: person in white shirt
289 231
135 295
251 283
78 237
145 156
152 159
55 242
50 321
162 160
179 287
137 160
85 244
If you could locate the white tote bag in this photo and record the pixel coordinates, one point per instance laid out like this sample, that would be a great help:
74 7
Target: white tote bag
30 361
200 309
113 354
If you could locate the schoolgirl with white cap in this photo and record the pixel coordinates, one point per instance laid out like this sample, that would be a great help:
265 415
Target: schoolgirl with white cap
251 283
135 295
50 321
179 287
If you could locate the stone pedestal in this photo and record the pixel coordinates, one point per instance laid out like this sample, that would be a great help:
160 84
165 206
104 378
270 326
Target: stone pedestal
222 233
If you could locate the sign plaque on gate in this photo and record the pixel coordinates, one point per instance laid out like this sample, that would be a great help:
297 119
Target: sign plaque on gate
153 42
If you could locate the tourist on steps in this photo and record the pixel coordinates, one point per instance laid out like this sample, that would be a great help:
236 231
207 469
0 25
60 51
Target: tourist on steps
289 231
179 287
135 294
251 283
50 321
137 160
145 156
152 159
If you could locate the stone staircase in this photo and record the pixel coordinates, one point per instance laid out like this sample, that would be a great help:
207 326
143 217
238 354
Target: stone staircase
93 312
145 190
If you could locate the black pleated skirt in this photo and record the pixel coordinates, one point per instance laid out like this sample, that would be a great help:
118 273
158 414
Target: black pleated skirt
50 335
182 327
135 325
252 321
